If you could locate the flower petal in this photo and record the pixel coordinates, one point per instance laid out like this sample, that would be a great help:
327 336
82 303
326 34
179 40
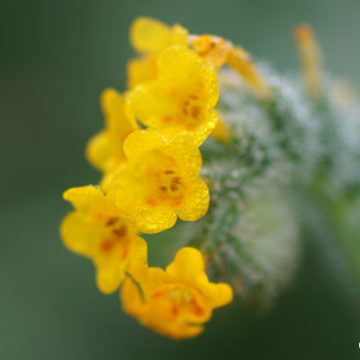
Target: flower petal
104 151
140 142
184 149
90 200
219 294
184 67
188 266
150 36
110 273
148 219
196 202
118 115
141 70
79 234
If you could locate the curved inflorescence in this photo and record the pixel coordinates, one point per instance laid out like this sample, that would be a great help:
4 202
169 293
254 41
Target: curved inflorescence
255 139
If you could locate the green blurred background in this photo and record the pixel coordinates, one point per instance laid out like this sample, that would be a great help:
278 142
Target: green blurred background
55 58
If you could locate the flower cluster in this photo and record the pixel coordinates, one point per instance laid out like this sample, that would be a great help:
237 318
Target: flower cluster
153 174
149 156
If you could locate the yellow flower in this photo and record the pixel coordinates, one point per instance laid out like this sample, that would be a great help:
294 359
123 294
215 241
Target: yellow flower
219 52
182 98
213 49
149 37
105 150
141 70
160 182
96 230
176 302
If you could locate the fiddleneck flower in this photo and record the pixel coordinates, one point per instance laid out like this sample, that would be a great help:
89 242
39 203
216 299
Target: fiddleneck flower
176 302
97 230
105 149
149 37
160 181
182 98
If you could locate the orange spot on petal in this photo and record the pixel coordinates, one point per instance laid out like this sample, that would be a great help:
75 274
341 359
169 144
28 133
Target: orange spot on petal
166 119
150 201
121 231
106 246
195 111
199 311
158 293
125 253
174 310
